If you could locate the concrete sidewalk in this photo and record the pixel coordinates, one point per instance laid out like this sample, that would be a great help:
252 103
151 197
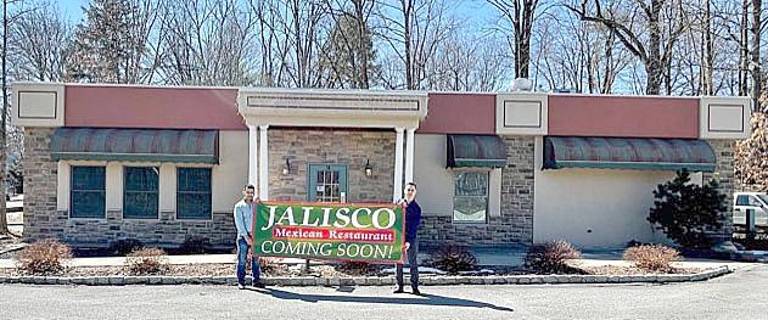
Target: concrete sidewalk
486 257
173 259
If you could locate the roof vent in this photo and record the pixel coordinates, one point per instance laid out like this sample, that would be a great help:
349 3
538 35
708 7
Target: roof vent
522 84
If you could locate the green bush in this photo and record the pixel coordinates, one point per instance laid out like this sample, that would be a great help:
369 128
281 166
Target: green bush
551 257
43 257
686 212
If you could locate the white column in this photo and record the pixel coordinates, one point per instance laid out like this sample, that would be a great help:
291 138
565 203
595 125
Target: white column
398 188
409 146
253 146
263 163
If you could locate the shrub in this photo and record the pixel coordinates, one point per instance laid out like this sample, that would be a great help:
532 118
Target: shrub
551 257
268 265
195 245
452 259
685 212
652 257
44 257
354 268
147 261
123 247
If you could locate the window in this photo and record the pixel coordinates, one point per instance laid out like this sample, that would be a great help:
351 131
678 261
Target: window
763 197
87 192
470 200
193 193
140 192
327 183
742 201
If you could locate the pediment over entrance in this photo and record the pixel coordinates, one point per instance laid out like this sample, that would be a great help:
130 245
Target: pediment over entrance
332 108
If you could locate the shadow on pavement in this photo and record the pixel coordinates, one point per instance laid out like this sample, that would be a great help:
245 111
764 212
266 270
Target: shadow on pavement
423 299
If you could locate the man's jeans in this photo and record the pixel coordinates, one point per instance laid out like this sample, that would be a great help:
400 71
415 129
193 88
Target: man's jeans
242 258
412 252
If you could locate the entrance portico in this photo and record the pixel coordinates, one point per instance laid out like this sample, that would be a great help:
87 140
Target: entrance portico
265 110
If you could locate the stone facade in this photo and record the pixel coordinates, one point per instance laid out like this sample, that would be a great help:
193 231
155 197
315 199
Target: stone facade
724 175
43 220
332 146
514 227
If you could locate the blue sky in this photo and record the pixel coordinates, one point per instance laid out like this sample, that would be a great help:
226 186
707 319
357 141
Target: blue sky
476 12
73 8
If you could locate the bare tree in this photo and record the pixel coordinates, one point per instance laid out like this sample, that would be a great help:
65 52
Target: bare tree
467 62
208 43
7 21
655 51
348 52
755 30
40 44
578 56
272 47
413 29
520 14
111 45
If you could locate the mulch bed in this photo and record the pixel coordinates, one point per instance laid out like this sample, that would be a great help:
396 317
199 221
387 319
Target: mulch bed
324 271
622 270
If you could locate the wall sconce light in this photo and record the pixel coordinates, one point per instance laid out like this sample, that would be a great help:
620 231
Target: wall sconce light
368 169
286 167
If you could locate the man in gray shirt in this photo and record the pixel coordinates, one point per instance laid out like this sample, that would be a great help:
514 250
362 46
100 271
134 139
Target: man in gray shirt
244 211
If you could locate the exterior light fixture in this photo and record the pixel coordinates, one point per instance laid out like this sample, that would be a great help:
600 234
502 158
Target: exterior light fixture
368 169
286 167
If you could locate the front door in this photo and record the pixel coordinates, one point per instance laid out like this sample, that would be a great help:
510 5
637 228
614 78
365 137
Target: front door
327 182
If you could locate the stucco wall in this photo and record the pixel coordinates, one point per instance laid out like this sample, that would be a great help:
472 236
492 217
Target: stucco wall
436 182
594 207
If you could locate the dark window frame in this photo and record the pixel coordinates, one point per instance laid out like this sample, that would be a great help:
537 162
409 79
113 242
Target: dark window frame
72 190
207 214
146 216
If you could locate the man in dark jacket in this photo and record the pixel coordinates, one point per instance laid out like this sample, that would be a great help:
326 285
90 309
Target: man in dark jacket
412 221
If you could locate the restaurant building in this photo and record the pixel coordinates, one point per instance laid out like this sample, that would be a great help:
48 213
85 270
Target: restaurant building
161 164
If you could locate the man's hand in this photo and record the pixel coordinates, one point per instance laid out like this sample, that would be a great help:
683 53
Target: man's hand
249 241
406 246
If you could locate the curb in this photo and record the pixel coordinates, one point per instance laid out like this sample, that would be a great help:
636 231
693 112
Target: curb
366 281
13 249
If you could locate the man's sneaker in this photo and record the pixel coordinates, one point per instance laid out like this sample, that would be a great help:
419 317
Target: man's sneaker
398 289
258 284
240 286
416 291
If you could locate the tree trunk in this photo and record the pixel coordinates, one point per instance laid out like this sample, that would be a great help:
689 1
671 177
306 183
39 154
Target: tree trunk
757 6
3 149
407 9
653 67
707 85
744 52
